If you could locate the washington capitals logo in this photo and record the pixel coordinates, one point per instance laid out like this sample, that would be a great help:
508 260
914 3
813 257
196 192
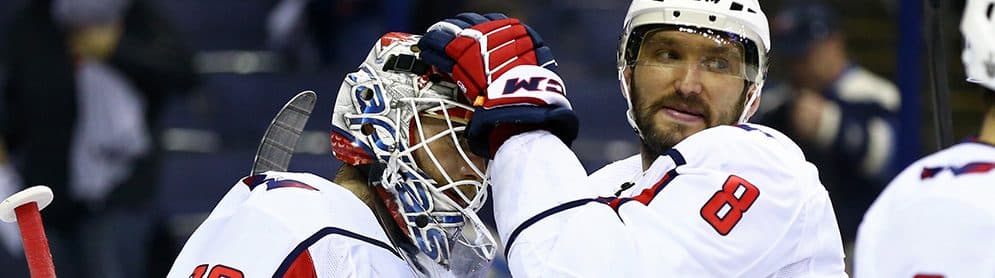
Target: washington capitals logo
273 183
978 167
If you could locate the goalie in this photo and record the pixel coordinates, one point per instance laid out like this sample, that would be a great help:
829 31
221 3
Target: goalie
403 204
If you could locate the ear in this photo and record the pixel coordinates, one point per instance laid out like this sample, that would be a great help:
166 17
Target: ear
627 78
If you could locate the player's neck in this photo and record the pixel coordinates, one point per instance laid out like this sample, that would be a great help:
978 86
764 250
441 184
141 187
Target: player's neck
988 127
352 179
648 156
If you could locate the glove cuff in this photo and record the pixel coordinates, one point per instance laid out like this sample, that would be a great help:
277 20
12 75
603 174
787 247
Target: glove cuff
489 128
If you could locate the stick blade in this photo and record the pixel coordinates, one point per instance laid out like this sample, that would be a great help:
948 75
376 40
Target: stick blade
278 143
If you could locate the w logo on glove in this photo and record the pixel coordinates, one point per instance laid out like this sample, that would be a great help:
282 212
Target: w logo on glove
478 49
532 84
524 85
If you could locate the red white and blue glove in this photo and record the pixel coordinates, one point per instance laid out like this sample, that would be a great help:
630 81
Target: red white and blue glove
507 72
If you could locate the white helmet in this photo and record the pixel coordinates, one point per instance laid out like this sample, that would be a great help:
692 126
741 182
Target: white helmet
375 122
978 29
742 18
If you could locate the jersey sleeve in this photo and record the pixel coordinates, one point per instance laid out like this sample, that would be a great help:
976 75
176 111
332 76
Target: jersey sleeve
692 214
291 225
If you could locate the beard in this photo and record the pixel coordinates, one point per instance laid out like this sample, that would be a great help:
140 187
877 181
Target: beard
660 137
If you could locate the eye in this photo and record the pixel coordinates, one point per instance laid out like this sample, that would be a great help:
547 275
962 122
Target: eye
667 55
719 65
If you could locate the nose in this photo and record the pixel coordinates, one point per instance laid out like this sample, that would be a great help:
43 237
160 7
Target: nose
690 83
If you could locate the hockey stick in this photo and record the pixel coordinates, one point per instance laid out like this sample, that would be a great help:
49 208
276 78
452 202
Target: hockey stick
936 47
280 139
24 208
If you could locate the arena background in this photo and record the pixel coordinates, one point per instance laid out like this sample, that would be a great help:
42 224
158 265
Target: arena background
210 136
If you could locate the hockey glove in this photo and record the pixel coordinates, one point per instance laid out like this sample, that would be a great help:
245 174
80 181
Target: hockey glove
505 69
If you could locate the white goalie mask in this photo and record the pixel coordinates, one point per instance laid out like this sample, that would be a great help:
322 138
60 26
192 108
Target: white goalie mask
739 22
978 28
380 118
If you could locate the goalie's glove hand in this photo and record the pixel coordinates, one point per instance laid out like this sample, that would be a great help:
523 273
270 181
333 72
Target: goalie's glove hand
504 68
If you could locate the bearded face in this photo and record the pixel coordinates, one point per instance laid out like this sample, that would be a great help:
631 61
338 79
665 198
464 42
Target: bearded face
683 83
663 125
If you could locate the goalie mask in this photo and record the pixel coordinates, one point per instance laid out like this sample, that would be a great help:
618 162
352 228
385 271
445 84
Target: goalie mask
394 112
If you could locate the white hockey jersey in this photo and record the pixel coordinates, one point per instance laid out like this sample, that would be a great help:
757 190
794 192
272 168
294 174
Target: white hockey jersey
289 225
609 179
934 220
730 201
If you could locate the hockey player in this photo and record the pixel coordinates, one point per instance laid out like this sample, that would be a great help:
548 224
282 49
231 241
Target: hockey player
399 130
936 217
709 195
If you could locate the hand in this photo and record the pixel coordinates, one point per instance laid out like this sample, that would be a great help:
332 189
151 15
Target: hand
505 70
97 42
478 49
807 113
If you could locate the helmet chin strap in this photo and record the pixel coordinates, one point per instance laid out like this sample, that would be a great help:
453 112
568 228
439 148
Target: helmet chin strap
745 115
631 118
630 115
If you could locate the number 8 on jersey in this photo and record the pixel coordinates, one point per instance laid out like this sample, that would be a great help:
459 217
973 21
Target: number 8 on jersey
737 205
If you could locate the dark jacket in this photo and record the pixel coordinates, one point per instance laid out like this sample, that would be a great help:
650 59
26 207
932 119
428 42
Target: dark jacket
40 105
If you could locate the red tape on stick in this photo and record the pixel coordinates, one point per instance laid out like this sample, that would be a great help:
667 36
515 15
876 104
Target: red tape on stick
24 208
35 242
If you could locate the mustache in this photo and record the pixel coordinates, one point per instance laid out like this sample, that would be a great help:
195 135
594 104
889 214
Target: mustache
692 102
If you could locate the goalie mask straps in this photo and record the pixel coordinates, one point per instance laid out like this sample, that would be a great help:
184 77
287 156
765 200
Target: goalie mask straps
405 63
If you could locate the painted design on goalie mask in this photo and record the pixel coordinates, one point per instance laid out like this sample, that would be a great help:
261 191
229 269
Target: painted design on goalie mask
737 18
375 120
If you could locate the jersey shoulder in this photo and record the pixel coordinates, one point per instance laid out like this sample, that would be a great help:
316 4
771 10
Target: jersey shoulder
965 163
951 191
752 194
268 221
749 138
306 202
962 173
744 147
609 179
747 154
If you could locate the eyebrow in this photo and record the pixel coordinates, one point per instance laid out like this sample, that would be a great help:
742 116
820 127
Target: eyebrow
664 41
725 49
